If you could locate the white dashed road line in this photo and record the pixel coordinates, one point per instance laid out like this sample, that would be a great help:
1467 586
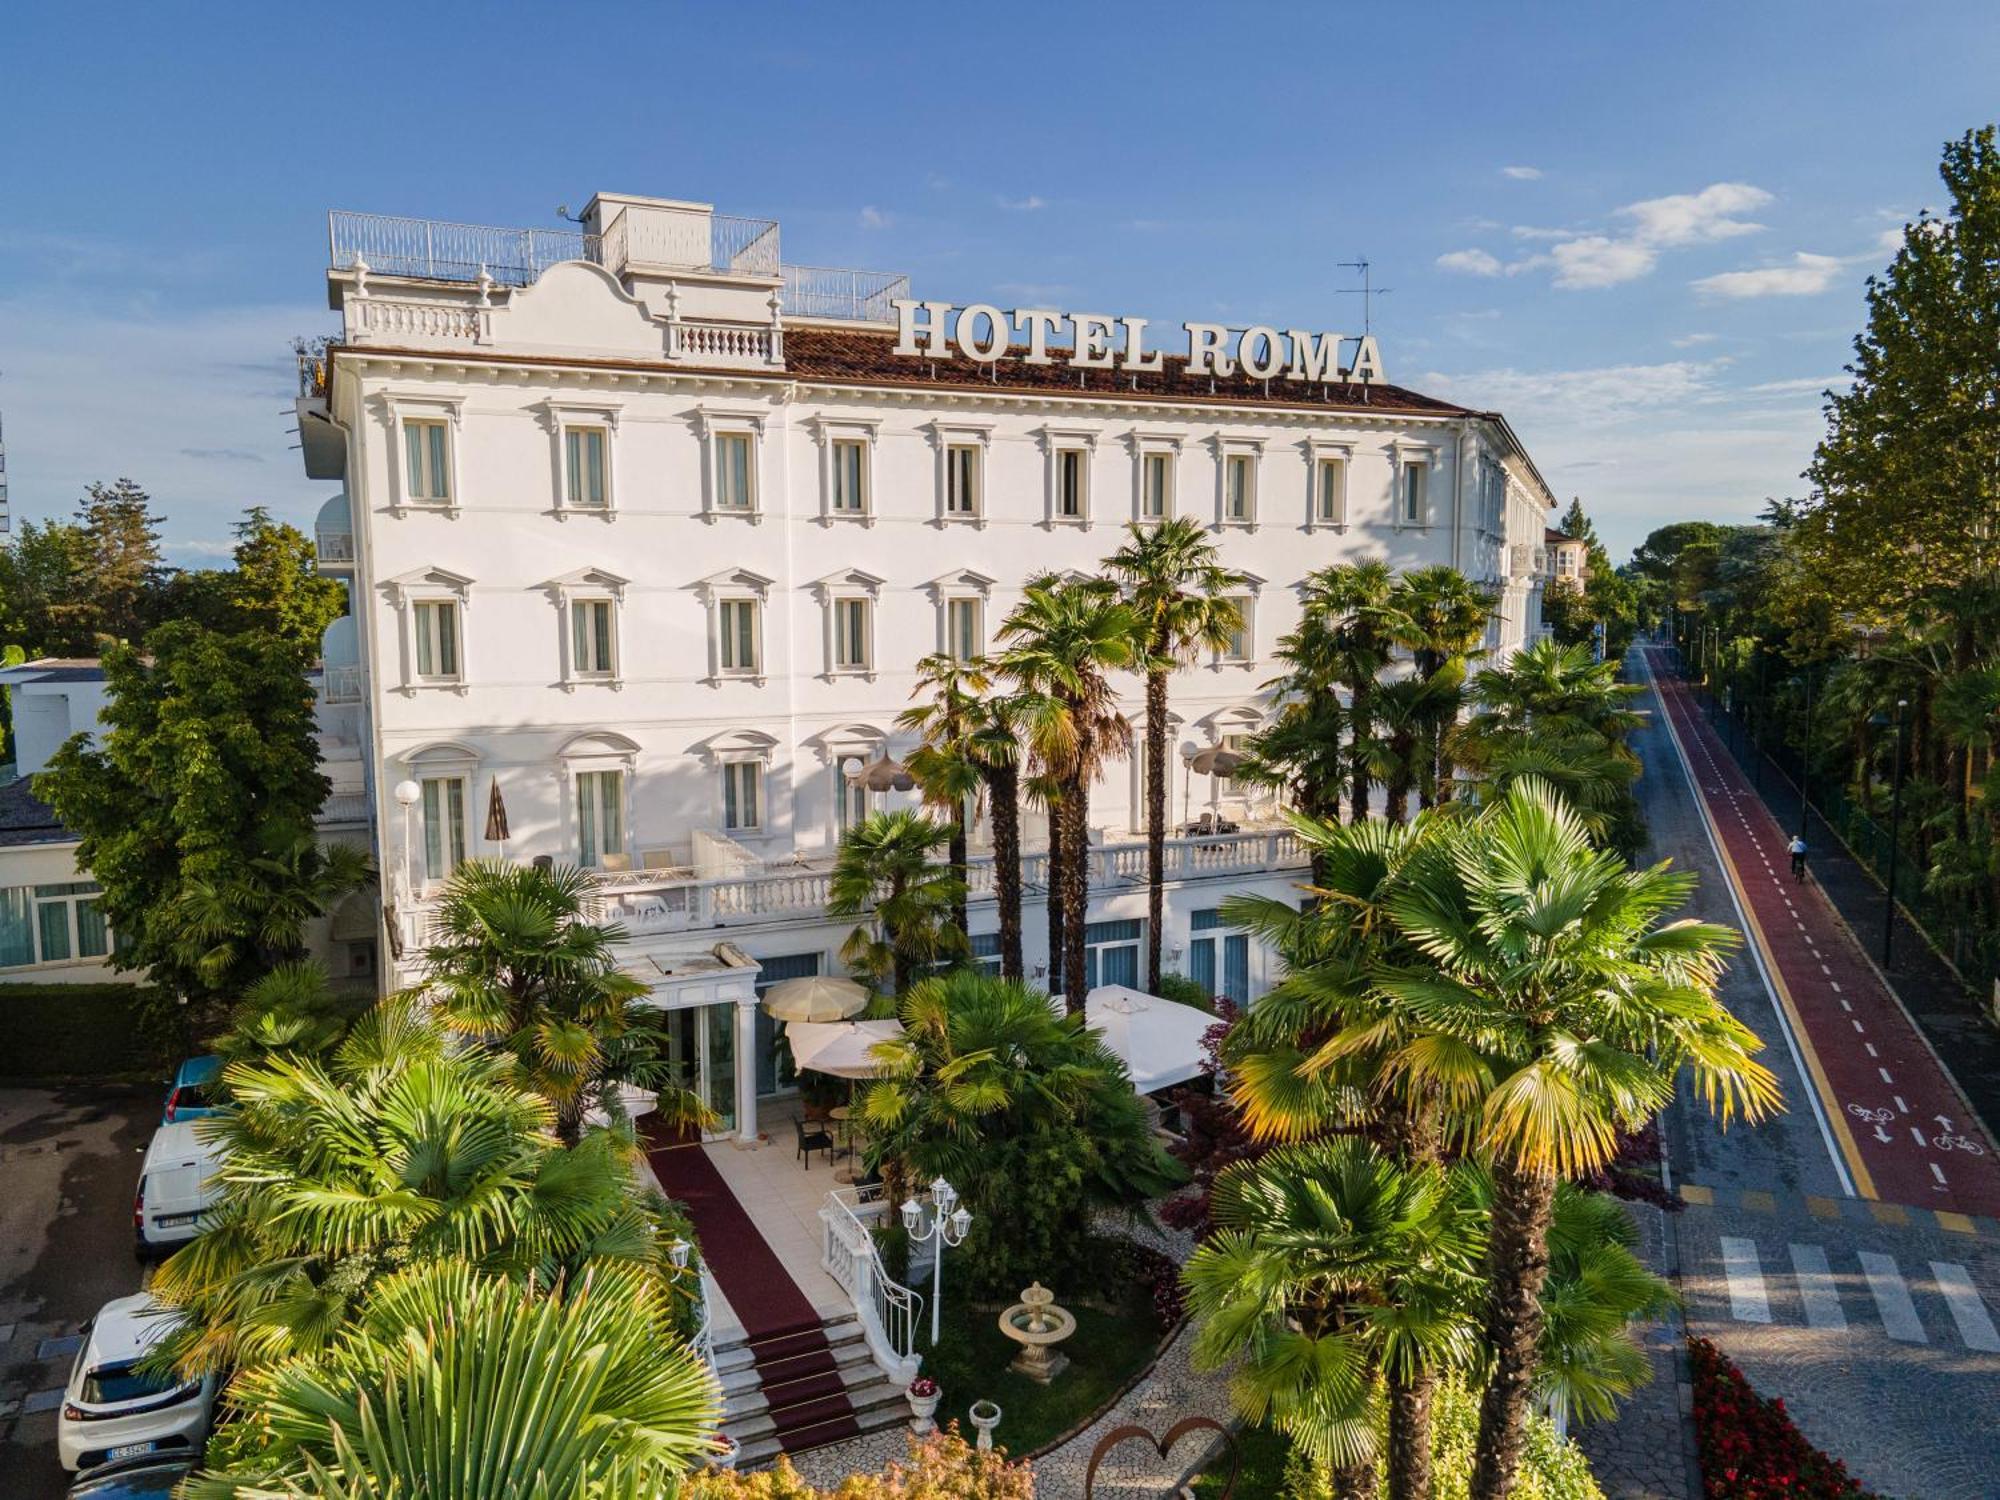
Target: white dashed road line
1892 1298
1967 1311
1816 1291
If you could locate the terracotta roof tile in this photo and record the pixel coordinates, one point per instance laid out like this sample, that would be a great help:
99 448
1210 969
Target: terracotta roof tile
863 357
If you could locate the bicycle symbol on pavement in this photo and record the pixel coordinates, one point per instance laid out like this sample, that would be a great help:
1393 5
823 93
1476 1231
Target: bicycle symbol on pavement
1949 1142
1869 1116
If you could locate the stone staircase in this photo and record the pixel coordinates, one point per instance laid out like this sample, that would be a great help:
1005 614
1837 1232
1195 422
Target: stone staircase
803 1388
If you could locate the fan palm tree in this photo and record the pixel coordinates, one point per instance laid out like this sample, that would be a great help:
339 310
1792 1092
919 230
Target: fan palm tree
291 1009
997 752
1065 639
399 1147
461 1385
885 871
256 916
1441 618
1178 589
1552 1010
1337 1280
1352 603
518 963
991 1087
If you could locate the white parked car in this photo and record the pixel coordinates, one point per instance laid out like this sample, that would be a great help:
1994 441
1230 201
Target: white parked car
179 1182
111 1409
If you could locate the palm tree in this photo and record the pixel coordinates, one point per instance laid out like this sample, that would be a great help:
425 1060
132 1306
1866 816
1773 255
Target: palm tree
1178 588
1597 1288
1023 1109
1553 1009
1066 638
885 871
946 763
1352 602
458 1385
291 1009
400 1147
256 916
519 963
1339 1279
1441 618
997 753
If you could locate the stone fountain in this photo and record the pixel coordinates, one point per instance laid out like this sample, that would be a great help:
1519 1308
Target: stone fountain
1038 1325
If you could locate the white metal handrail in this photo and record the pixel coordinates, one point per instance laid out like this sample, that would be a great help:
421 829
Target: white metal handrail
442 251
889 1312
836 292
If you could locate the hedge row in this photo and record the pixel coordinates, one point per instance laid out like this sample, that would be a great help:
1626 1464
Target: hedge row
50 1031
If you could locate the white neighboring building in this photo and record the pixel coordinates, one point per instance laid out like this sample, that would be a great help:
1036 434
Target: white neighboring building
648 531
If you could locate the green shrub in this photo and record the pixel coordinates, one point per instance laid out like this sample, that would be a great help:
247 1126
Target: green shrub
942 1466
1184 991
85 1030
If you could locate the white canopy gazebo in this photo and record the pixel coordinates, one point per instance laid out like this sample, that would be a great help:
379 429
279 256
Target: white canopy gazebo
1160 1041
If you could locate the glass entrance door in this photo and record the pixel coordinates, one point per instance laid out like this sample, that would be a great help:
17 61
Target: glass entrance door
700 1053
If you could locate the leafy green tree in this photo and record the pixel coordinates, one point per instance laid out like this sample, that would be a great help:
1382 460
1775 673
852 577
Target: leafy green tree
43 597
456 1386
1576 525
1179 593
1064 639
397 1148
885 870
520 963
294 1008
1024 1111
121 565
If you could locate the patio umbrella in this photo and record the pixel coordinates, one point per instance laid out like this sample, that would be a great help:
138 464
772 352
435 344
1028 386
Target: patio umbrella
816 997
842 1049
883 775
496 816
1215 760
1160 1041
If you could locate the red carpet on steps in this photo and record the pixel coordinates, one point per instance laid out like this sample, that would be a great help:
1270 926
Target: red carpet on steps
800 1378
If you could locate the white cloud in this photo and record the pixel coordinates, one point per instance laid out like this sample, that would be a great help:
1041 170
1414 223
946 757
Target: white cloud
1535 232
1521 174
874 218
1588 396
1810 385
1806 276
1690 340
1024 205
1598 261
1696 218
195 407
1470 262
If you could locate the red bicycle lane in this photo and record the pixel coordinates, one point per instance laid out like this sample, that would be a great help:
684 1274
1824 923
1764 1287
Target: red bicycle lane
1897 1118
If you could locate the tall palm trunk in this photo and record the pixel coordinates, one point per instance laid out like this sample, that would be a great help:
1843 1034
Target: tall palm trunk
1003 791
1409 1445
1053 876
1517 1263
1403 752
1074 884
1156 821
955 856
1361 722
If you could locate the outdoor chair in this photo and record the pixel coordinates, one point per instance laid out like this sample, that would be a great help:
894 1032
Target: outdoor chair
811 1141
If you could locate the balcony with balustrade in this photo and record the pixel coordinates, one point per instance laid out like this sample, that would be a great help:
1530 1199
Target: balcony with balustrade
661 896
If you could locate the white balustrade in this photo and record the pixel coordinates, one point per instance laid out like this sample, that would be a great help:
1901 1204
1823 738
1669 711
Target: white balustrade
436 322
723 343
334 546
888 1311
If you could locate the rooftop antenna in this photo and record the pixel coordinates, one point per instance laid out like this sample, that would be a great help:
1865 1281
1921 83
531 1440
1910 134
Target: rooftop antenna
1367 292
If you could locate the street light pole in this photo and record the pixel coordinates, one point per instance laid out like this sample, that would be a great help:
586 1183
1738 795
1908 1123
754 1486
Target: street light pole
1895 840
1805 759
946 1222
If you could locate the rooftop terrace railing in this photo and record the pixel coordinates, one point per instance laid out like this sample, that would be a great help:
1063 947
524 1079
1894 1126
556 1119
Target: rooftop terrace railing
435 250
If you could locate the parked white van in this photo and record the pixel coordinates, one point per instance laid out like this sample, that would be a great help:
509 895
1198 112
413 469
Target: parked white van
180 1181
112 1410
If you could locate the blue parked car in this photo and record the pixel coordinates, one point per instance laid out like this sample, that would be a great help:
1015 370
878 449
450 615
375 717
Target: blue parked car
194 1092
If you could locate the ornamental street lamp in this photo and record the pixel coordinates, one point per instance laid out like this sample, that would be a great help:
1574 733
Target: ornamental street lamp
945 1220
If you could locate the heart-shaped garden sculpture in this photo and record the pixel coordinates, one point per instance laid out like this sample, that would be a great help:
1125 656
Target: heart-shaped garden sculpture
1163 1446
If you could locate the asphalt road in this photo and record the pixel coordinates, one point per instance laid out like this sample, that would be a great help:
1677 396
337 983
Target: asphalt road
69 1160
1834 1267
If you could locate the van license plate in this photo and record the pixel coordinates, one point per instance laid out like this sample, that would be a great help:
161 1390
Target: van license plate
174 1221
128 1450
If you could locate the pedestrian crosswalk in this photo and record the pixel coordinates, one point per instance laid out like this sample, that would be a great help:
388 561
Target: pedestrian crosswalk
1863 1289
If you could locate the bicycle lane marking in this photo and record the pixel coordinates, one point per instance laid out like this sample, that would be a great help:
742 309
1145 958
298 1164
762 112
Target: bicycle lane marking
1840 1147
1924 1149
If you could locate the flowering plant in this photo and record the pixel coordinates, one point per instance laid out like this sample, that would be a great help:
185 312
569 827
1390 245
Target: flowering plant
1750 1450
923 1387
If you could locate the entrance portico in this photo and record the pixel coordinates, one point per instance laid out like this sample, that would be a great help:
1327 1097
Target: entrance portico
709 1000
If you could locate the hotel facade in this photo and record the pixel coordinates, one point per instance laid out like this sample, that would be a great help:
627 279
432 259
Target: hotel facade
646 531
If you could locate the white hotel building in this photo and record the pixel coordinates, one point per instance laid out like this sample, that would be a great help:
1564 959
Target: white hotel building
648 530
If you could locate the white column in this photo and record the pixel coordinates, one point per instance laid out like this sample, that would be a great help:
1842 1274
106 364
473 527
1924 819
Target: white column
746 1069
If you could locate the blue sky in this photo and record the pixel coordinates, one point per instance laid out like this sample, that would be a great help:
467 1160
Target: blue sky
1641 231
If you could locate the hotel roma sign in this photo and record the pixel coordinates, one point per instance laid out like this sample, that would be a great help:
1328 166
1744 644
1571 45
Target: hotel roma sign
985 334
